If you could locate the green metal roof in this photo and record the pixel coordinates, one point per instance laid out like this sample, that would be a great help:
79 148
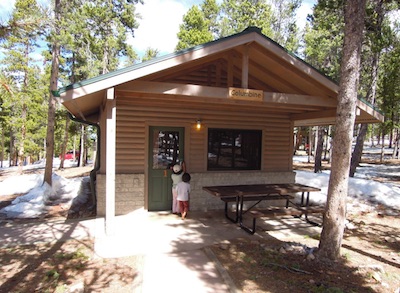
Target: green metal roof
172 55
130 68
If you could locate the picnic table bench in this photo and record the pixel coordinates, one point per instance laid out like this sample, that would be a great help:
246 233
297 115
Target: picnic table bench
257 193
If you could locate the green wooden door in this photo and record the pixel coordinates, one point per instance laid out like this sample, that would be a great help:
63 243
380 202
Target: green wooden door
165 150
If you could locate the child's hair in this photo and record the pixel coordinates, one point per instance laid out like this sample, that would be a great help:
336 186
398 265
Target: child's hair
186 177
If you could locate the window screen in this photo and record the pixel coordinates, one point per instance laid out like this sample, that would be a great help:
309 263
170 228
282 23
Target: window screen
231 149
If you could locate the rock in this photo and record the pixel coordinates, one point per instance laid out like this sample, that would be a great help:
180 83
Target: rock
310 257
386 285
299 250
390 239
377 277
78 287
288 247
377 268
282 250
224 246
350 226
268 249
392 212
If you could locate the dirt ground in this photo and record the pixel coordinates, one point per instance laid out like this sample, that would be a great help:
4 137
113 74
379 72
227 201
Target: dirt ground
370 260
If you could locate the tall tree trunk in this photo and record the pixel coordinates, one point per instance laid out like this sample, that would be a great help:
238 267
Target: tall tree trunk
65 142
396 145
309 144
358 149
318 150
382 147
2 145
11 161
21 150
371 95
326 141
82 147
52 101
335 211
372 135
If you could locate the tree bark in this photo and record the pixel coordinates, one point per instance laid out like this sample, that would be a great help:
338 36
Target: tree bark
65 142
2 145
82 161
371 95
382 156
335 211
48 172
318 150
395 153
310 144
358 149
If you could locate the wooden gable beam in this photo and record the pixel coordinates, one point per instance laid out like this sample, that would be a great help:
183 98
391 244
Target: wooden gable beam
290 74
314 115
160 88
301 66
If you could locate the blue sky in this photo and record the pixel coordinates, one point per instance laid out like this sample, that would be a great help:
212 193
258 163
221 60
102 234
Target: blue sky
169 14
160 21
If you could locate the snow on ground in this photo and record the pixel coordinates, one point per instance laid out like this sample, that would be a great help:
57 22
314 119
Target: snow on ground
361 189
361 186
37 196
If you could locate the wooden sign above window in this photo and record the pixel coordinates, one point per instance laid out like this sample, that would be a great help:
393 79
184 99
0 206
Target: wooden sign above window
245 94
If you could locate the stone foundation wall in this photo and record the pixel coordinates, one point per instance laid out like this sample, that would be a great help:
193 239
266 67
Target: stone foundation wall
129 194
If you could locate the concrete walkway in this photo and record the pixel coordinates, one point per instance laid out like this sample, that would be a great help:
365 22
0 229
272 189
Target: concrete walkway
173 253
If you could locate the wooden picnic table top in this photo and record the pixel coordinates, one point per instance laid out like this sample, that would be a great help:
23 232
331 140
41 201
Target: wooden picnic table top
258 189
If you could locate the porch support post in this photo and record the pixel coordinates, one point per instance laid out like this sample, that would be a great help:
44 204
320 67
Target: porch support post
110 161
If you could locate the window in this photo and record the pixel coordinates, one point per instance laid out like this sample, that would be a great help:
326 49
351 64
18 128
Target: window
230 149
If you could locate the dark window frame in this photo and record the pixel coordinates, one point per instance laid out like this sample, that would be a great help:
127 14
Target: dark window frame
234 149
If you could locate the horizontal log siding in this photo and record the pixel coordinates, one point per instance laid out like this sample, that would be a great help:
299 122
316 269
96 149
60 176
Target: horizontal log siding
133 114
198 150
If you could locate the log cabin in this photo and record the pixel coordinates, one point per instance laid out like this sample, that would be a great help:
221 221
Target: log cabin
227 108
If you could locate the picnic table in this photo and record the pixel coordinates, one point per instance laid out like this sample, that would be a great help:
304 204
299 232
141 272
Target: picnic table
258 193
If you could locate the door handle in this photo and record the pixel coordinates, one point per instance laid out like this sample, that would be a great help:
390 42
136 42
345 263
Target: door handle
165 173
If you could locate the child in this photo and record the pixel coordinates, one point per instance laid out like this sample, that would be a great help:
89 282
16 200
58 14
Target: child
183 190
176 177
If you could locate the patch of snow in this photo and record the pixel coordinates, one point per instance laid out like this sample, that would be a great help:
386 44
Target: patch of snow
362 189
37 196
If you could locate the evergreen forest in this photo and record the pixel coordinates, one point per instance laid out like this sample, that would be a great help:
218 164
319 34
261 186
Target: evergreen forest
45 47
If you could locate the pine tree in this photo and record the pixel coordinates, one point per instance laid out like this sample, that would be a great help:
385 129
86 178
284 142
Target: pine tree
378 40
237 15
324 38
335 211
194 30
150 54
286 32
25 103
